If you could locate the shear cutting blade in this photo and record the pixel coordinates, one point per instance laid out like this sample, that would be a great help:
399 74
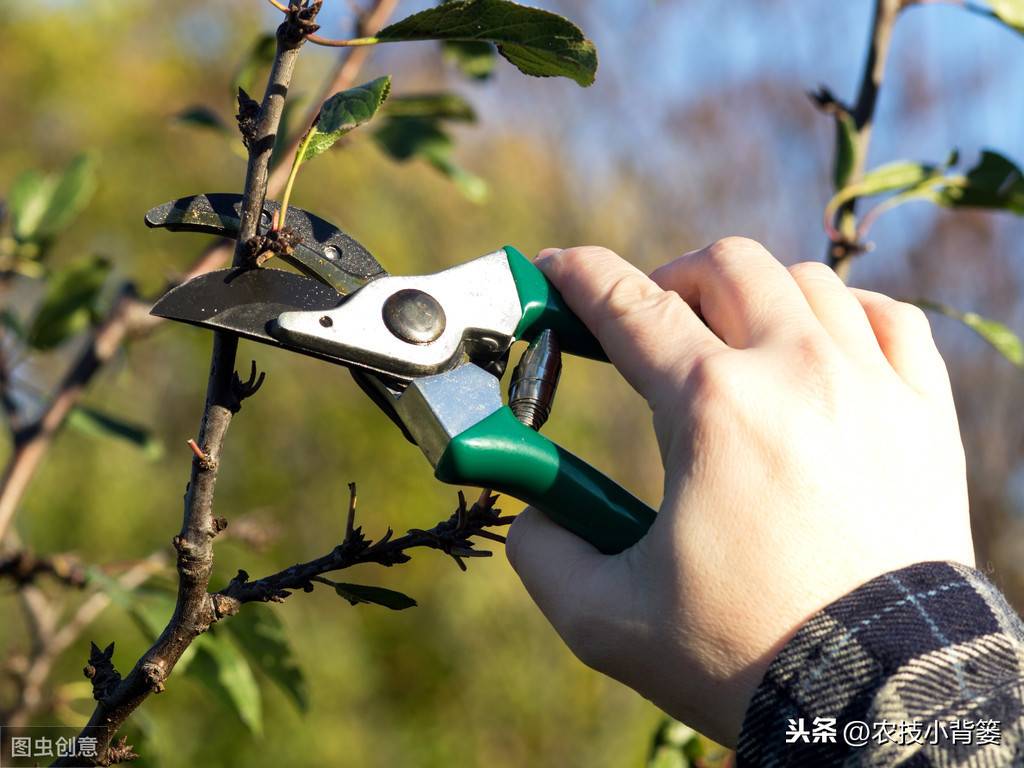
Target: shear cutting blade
246 302
324 252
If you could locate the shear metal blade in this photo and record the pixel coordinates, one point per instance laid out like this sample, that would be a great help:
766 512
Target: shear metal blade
324 252
247 303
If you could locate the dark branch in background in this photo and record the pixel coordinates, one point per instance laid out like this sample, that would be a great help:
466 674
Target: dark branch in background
31 672
24 567
840 254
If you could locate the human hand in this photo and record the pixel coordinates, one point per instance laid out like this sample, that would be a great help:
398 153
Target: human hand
809 441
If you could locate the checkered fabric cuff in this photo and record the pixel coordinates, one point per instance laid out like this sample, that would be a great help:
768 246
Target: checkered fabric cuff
919 667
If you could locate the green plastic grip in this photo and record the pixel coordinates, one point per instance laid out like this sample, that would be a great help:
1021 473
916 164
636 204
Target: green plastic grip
501 453
544 307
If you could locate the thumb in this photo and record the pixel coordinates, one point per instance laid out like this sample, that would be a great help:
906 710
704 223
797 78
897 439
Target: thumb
649 334
569 580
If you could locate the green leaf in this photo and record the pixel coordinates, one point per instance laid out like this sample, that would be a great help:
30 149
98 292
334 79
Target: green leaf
260 633
1010 12
672 745
28 199
203 117
73 191
42 206
150 608
223 669
995 182
406 138
259 56
435 106
1004 340
69 303
343 112
98 424
358 593
846 148
537 42
411 137
474 59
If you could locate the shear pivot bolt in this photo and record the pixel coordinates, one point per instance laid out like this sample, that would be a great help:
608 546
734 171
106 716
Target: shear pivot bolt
414 316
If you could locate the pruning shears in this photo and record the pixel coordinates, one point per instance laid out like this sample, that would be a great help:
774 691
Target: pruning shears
428 349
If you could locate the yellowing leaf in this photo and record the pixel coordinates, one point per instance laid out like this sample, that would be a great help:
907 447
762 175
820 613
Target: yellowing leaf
1002 339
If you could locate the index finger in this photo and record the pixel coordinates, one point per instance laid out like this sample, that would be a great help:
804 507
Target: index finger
650 335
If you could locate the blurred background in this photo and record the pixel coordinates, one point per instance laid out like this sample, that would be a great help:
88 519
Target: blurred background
698 127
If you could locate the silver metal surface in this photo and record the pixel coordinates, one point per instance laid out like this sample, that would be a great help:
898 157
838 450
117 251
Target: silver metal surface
437 408
480 302
413 316
535 380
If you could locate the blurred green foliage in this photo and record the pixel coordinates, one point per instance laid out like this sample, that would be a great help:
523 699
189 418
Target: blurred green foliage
473 675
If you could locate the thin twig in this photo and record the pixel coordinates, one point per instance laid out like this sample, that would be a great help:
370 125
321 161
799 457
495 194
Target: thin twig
453 536
839 256
350 43
350 63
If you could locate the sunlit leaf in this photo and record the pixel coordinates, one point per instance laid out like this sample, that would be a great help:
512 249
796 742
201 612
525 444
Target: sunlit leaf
344 111
263 637
259 56
995 182
669 745
359 593
223 669
203 117
27 200
1010 12
150 608
42 206
407 138
69 303
474 59
438 106
1004 340
72 192
98 424
538 42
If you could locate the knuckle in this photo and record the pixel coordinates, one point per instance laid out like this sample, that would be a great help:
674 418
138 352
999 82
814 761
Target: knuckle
713 382
580 257
812 270
631 293
730 249
898 318
908 317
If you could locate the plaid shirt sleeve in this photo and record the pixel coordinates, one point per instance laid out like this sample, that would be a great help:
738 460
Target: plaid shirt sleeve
928 659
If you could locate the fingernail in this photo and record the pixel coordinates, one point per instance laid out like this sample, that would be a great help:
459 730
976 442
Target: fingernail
545 256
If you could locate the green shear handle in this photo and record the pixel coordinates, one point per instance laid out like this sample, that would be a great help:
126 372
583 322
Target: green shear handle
501 453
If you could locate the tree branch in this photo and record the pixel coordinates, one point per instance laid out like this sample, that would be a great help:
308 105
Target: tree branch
350 63
453 536
840 254
193 611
